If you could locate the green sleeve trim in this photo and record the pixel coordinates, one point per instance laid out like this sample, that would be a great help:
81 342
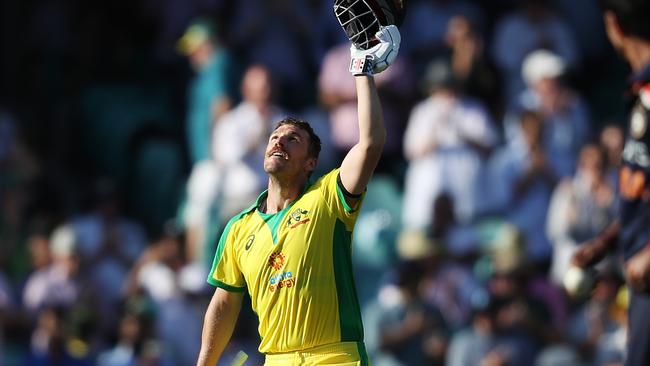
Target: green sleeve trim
222 243
224 286
274 220
345 191
346 206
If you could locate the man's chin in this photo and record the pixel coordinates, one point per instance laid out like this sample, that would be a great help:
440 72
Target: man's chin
279 170
272 168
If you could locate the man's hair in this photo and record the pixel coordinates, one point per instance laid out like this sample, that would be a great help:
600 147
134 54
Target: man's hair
632 16
314 140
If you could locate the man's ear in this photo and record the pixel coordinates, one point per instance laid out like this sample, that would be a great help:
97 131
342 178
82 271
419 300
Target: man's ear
311 163
614 31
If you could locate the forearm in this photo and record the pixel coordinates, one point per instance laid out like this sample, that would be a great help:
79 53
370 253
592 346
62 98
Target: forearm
218 325
609 236
597 248
372 132
361 160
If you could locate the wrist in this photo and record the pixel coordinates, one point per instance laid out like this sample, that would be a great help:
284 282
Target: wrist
378 57
361 65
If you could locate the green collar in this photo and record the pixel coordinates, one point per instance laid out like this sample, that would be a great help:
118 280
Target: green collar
265 193
273 220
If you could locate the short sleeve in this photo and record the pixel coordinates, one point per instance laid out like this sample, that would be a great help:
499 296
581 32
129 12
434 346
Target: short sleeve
334 195
225 272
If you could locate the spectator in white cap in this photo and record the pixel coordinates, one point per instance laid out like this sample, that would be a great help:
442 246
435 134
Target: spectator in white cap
535 25
542 64
566 120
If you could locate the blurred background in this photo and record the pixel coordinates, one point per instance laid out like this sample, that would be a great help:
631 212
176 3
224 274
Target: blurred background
130 131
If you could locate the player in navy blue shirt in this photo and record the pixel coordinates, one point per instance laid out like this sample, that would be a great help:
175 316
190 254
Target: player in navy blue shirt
628 28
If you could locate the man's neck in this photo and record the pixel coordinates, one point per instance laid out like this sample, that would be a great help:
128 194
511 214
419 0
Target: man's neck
281 193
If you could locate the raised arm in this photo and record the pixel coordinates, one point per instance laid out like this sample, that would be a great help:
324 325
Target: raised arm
218 325
360 162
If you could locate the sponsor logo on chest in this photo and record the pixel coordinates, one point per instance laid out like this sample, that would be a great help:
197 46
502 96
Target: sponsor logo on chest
285 279
281 280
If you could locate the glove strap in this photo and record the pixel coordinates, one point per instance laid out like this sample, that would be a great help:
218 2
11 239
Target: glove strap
361 65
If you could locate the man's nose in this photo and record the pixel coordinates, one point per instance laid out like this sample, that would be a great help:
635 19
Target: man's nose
280 141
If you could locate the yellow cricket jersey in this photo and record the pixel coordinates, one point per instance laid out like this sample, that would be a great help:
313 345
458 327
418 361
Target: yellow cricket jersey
296 265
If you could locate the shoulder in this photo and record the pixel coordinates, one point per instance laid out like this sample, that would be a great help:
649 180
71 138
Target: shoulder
239 220
325 180
324 188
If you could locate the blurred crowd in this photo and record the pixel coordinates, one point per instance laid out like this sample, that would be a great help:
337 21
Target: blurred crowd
131 131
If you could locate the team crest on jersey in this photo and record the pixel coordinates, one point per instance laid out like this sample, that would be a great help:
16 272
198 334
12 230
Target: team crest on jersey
276 260
638 122
298 217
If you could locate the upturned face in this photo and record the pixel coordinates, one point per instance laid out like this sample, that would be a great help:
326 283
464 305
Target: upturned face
287 152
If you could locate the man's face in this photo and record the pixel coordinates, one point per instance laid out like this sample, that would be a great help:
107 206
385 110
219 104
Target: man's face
287 152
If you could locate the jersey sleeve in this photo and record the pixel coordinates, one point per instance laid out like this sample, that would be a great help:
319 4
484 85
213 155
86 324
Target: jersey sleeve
334 194
225 271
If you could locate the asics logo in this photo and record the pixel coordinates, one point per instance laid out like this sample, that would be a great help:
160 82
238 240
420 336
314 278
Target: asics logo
249 242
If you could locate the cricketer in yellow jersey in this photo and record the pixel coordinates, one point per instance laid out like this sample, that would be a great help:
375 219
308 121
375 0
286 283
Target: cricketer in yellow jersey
291 249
